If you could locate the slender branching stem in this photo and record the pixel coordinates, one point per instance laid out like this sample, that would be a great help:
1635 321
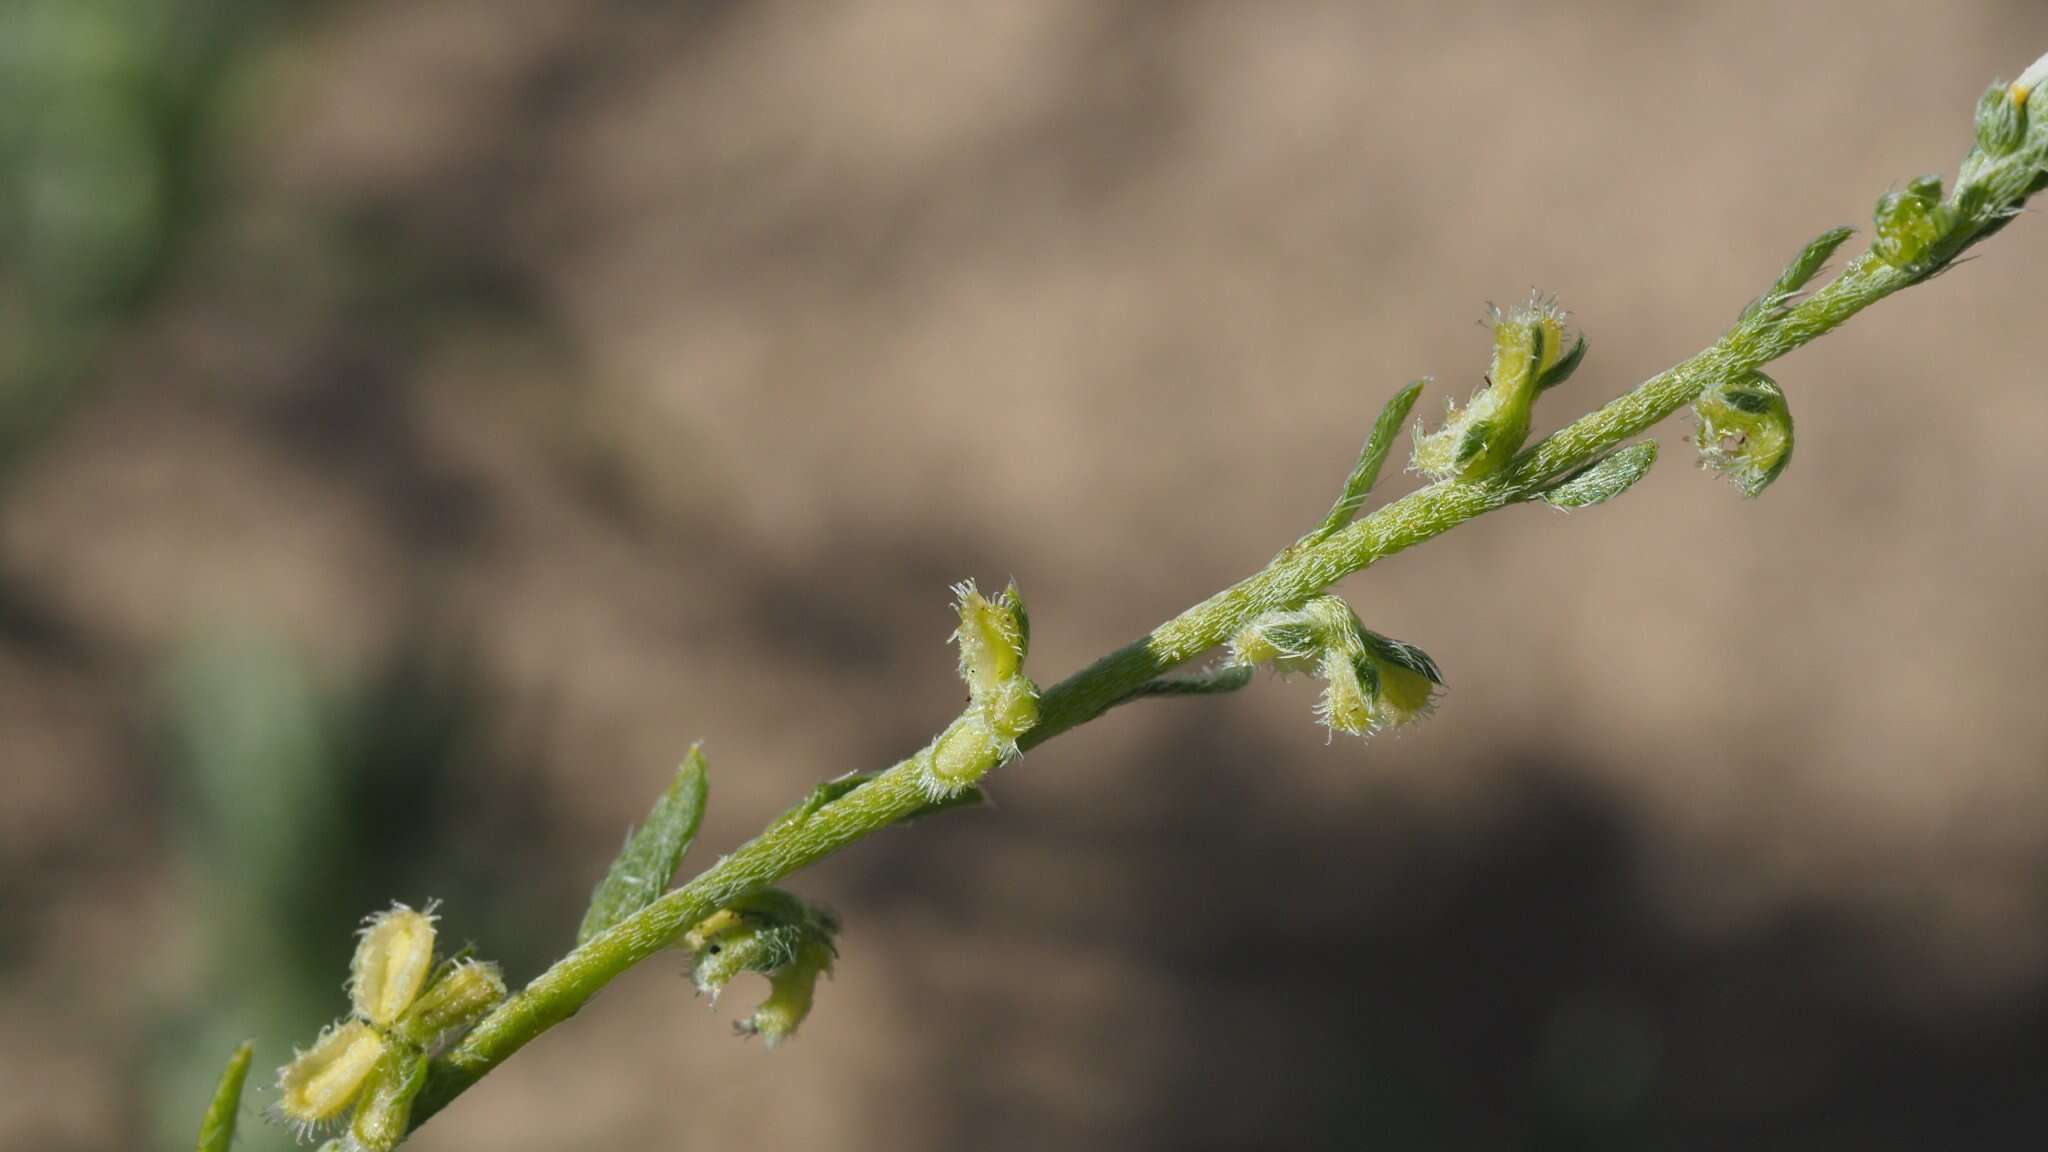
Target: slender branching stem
1292 577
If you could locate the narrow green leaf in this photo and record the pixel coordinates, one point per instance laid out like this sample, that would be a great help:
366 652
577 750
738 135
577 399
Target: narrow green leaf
1800 272
1812 259
647 864
1612 475
217 1130
1367 472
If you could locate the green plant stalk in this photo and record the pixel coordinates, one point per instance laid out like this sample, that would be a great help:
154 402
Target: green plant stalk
1295 575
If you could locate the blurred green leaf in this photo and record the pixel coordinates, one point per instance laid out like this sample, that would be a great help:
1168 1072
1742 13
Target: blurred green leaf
217 1130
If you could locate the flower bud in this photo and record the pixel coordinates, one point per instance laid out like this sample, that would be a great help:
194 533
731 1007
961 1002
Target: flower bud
993 638
324 1080
1530 354
393 957
1911 223
1408 680
465 995
385 1115
1745 431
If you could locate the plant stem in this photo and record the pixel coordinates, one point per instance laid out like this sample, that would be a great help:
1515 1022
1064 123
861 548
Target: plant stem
1293 576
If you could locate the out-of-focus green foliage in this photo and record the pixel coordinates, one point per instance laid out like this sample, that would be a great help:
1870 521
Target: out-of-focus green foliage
108 111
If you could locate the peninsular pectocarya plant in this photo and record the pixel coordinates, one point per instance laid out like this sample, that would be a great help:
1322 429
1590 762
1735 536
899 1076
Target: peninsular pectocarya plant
422 1028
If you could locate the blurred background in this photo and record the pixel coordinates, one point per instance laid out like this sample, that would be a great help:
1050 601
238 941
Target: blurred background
419 422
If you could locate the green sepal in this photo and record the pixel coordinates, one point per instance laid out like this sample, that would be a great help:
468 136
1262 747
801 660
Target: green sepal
1474 441
384 1116
647 864
1012 601
1401 654
1562 371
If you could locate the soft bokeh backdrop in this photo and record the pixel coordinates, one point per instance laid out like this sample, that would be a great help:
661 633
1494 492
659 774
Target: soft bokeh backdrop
419 422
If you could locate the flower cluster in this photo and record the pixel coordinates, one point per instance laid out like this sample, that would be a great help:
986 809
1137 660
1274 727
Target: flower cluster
374 1061
1370 681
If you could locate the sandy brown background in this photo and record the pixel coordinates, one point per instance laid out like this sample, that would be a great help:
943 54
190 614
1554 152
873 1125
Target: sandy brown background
529 389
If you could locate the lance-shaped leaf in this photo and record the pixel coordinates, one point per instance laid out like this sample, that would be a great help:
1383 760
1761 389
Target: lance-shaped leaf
1607 478
1799 273
217 1130
1367 471
647 864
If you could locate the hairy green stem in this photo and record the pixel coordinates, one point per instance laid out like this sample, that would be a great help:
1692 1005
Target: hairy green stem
1295 575
1917 236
